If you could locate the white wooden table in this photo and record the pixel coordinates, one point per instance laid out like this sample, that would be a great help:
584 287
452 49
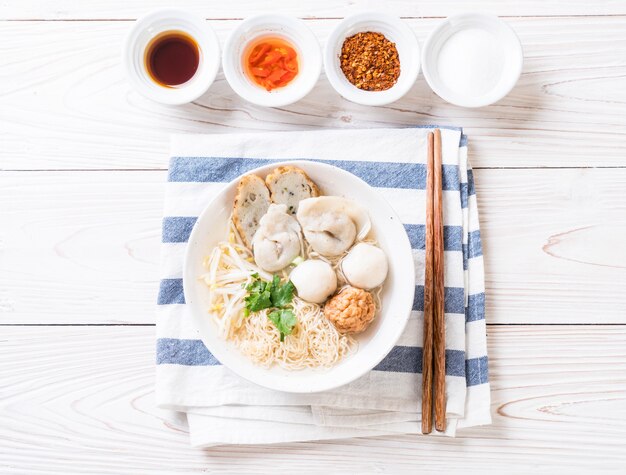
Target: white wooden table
82 171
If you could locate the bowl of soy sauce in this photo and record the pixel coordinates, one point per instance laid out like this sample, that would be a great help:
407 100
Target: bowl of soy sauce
171 56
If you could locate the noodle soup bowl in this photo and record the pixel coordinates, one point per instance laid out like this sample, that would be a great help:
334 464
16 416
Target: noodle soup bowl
373 344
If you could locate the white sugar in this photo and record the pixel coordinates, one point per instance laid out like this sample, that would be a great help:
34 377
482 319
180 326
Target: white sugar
470 62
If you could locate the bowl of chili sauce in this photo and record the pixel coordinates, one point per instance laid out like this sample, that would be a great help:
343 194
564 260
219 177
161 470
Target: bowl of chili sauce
272 60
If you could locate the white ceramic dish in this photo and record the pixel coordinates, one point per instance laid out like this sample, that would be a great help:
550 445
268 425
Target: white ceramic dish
374 344
503 59
151 25
293 30
396 31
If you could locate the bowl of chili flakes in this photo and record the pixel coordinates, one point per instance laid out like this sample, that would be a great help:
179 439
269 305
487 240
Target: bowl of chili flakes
272 60
372 58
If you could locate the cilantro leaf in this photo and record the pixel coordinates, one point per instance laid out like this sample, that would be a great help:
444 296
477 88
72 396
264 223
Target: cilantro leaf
258 301
284 320
257 286
275 296
259 296
282 295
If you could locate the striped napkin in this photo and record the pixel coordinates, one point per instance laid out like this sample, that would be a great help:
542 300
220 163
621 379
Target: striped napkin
221 408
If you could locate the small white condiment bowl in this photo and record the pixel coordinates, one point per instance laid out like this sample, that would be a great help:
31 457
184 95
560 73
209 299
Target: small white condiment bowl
509 55
153 24
396 31
295 32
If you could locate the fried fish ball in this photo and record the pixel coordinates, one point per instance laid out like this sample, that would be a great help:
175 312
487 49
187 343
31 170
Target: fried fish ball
351 310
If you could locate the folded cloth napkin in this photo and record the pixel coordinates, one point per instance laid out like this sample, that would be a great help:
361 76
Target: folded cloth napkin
222 408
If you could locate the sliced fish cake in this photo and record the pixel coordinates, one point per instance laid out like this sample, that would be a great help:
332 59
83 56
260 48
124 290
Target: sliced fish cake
251 203
289 185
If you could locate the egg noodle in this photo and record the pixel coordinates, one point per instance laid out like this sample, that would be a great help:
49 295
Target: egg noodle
314 341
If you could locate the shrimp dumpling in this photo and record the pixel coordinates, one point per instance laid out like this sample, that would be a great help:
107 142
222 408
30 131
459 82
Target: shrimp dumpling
332 223
330 233
277 242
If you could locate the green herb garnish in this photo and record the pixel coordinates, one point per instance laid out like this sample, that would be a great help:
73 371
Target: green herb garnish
281 295
258 300
259 295
284 320
262 295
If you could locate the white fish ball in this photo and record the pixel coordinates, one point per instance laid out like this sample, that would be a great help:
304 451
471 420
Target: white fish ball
365 266
315 280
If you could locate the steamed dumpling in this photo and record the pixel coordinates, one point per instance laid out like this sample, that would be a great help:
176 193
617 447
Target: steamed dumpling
332 223
330 233
365 266
277 242
315 280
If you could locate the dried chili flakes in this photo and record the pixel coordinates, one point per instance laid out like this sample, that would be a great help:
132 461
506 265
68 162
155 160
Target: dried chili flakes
370 61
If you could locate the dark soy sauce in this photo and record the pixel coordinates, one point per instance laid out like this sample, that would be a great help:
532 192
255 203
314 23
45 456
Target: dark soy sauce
172 58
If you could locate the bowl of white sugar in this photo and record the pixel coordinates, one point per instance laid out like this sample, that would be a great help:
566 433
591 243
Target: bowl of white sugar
472 60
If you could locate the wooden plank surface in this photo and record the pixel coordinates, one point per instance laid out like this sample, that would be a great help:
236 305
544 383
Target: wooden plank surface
65 103
81 247
82 399
553 244
131 9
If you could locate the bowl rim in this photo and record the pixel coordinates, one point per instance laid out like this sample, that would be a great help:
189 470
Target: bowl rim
349 91
286 96
515 52
255 375
207 41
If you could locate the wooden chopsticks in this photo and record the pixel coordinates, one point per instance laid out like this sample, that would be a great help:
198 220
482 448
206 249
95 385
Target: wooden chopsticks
427 357
434 347
439 315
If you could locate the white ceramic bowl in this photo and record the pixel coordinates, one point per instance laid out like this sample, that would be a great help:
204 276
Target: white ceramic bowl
151 25
505 51
396 31
374 344
293 30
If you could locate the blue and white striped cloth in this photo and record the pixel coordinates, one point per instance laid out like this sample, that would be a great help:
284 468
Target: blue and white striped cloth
222 408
